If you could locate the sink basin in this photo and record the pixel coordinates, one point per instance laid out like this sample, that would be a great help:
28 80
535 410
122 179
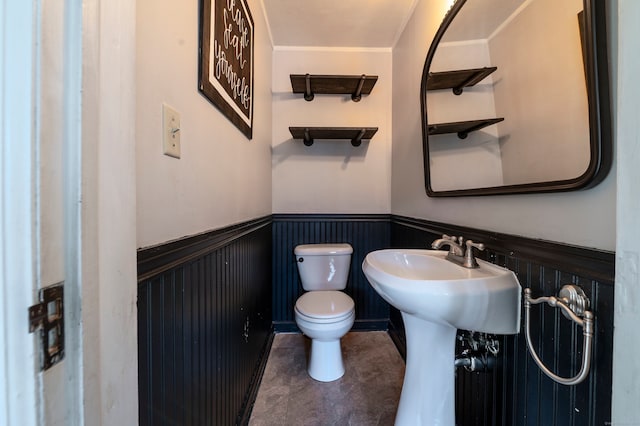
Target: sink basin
423 283
436 297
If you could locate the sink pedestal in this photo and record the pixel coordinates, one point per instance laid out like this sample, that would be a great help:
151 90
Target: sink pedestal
427 397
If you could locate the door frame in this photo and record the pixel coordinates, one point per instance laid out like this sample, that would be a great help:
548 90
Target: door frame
23 389
20 402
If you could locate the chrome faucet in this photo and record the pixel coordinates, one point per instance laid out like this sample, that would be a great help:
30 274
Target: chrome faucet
457 253
454 243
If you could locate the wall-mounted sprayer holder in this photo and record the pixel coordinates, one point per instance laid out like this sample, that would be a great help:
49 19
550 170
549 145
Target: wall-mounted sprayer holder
574 305
480 351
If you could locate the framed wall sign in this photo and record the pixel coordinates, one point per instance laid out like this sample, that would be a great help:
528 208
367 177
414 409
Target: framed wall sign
226 59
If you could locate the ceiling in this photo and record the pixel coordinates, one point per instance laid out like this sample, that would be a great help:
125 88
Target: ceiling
337 23
478 19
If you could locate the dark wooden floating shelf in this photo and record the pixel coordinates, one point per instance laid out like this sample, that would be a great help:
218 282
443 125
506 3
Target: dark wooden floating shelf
355 85
462 128
457 80
355 134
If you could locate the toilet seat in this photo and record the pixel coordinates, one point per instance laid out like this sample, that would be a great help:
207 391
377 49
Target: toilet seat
324 306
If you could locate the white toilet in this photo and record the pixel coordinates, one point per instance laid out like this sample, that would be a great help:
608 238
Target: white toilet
323 313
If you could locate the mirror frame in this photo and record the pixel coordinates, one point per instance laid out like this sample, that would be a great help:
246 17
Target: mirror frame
598 95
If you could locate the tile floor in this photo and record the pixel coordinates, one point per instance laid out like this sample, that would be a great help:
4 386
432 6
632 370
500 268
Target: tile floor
366 395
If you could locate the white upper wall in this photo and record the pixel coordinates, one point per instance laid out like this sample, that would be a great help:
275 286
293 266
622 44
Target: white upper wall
584 218
331 176
222 178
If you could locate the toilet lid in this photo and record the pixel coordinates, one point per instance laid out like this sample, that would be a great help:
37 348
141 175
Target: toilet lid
324 304
322 249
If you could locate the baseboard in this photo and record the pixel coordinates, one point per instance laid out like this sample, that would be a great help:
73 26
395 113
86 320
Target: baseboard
358 325
252 392
285 327
371 325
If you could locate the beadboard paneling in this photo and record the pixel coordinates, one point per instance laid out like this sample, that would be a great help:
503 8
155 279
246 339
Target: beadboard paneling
204 326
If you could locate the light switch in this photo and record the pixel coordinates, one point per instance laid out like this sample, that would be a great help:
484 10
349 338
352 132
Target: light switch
170 131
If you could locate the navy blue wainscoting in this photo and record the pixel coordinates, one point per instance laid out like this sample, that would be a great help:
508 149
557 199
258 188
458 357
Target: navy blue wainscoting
204 325
364 232
517 393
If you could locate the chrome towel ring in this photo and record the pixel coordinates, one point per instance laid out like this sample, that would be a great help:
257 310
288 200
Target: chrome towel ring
574 304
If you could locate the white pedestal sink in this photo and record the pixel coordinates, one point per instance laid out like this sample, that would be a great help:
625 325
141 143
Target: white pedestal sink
437 297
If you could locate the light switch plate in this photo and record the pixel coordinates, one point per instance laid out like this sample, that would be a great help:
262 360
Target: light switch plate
170 131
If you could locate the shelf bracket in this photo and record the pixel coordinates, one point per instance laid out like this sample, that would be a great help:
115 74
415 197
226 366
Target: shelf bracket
460 88
308 141
308 94
358 139
358 94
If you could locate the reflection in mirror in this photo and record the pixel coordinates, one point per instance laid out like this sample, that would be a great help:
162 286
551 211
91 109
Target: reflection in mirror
509 105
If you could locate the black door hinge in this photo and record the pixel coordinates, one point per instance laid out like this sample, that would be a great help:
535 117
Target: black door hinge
48 318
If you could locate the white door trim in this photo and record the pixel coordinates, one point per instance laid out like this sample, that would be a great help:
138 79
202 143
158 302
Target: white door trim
73 42
19 403
22 389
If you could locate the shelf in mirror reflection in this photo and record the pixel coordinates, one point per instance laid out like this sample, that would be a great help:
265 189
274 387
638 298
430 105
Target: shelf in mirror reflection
457 79
462 128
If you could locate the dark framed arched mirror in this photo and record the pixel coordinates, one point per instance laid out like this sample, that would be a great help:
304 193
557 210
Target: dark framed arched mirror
515 98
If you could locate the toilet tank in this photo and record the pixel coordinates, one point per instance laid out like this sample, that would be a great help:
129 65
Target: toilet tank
323 266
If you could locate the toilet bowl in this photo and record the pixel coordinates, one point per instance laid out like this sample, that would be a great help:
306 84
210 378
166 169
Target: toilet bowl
323 313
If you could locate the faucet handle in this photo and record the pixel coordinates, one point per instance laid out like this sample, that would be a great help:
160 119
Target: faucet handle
457 240
471 244
469 258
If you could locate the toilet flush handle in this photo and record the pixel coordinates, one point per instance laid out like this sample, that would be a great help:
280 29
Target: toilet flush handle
301 259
